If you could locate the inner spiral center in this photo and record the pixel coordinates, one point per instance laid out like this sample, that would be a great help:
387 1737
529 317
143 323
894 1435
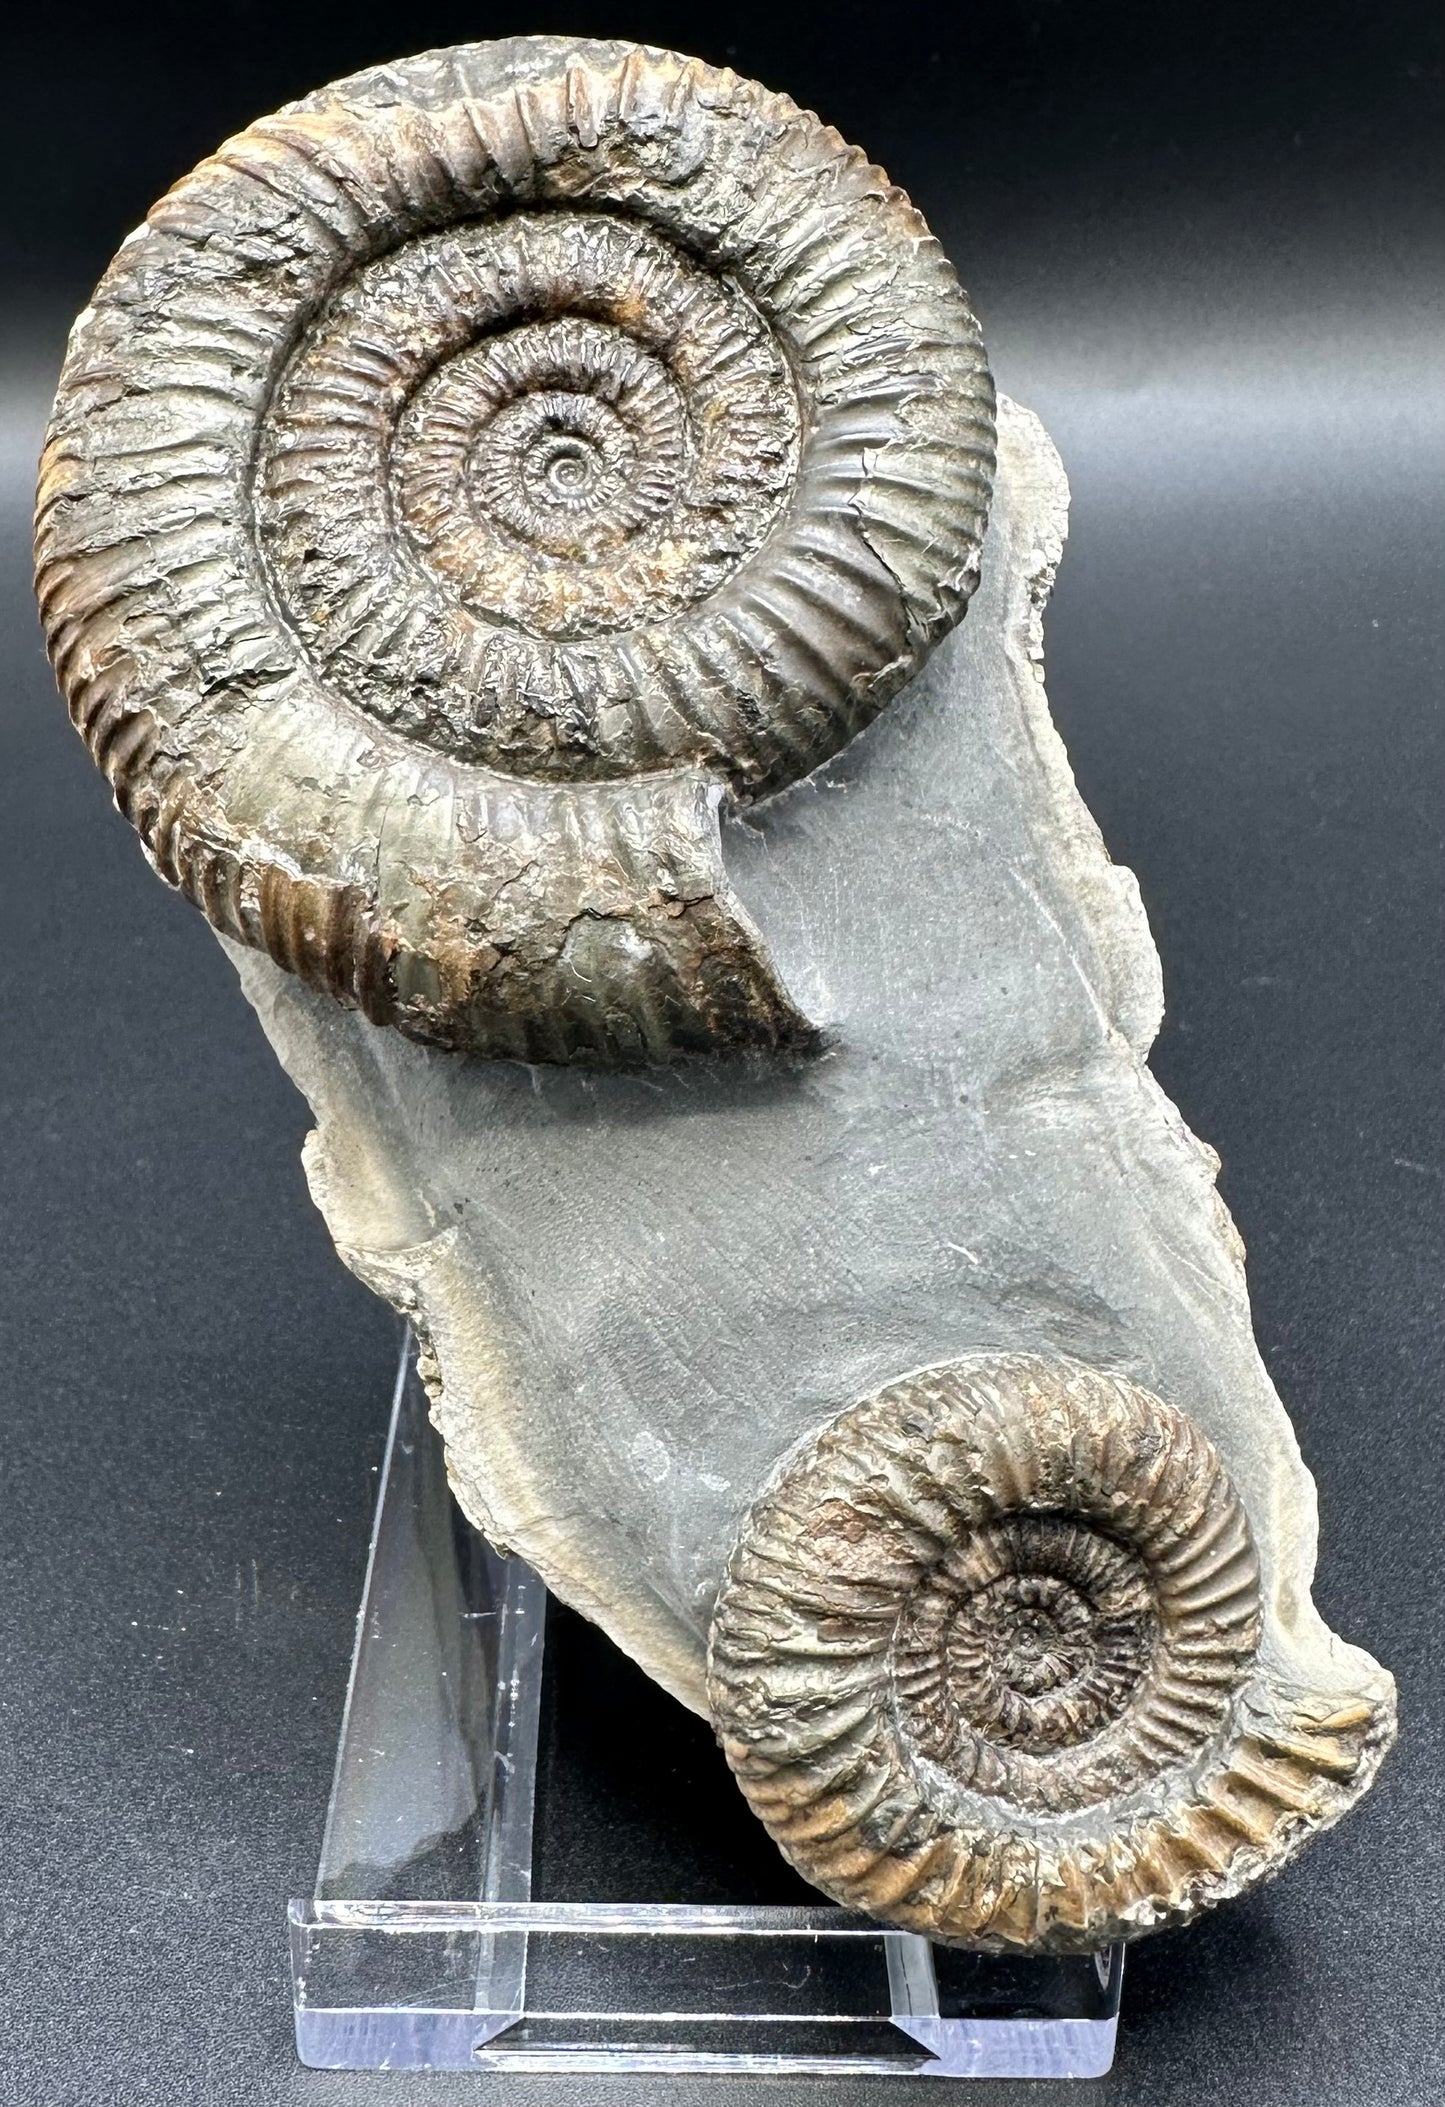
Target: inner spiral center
1043 1625
1030 1639
568 466
504 439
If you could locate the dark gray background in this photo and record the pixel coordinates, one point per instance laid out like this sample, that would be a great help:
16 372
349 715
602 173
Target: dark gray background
1200 241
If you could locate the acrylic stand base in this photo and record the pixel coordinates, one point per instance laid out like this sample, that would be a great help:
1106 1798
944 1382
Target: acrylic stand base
423 1950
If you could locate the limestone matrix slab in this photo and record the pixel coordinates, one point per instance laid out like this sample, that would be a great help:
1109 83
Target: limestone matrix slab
486 510
643 1296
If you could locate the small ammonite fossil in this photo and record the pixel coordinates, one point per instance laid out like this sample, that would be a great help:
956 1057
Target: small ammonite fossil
978 1658
469 475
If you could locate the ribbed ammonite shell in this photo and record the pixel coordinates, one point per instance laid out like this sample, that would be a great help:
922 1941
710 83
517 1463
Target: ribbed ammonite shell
465 476
978 1660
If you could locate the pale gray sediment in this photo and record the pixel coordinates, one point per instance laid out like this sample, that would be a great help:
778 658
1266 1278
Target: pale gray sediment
644 1294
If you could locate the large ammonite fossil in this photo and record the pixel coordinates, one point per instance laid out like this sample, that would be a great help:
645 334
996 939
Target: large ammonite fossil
464 479
978 1658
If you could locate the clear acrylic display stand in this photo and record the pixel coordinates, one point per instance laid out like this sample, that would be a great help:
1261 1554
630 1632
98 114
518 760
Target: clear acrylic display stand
423 1950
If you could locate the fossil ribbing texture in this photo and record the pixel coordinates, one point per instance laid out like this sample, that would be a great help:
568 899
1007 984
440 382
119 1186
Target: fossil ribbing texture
484 516
1001 1592
463 475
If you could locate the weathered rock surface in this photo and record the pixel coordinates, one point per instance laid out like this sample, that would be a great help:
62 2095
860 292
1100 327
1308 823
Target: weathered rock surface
725 1349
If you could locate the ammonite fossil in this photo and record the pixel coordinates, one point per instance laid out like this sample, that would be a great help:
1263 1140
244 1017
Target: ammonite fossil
465 478
978 1648
479 496
982 1662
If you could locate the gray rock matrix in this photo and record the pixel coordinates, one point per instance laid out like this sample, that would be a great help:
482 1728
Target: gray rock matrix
642 1295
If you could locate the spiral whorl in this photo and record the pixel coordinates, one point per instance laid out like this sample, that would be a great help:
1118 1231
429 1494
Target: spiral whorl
477 434
985 1663
579 436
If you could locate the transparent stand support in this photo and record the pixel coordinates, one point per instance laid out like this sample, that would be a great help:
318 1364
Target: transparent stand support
423 1950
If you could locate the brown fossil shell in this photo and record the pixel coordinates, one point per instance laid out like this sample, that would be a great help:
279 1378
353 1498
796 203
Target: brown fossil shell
468 474
986 1663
